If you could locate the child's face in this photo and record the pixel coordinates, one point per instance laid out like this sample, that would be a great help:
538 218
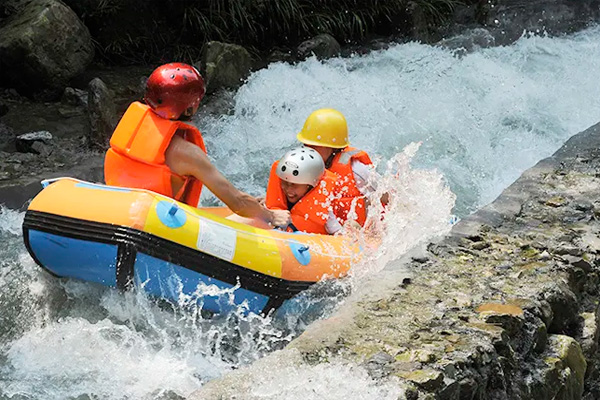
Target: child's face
294 191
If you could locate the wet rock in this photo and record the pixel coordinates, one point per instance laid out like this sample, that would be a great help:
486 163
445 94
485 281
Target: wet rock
545 256
565 368
137 90
378 44
41 148
25 143
8 7
577 262
508 19
504 267
556 201
281 56
422 356
406 366
500 309
508 316
590 334
70 112
16 192
568 249
480 245
75 97
7 138
322 46
590 242
379 365
102 114
539 336
411 393
588 339
42 46
544 311
225 65
426 379
420 259
469 41
468 388
583 206
564 306
166 395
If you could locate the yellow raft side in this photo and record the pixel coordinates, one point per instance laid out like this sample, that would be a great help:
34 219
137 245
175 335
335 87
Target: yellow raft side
240 244
267 251
77 199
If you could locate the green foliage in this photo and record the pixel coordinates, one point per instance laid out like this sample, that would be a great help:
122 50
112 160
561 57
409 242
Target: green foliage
435 11
134 31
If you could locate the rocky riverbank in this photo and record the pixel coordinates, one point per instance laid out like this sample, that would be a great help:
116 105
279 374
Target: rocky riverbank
63 143
505 307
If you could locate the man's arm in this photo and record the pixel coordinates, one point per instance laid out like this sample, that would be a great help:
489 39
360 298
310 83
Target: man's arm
332 225
366 180
187 159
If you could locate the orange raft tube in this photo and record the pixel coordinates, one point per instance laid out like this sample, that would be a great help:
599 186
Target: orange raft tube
122 237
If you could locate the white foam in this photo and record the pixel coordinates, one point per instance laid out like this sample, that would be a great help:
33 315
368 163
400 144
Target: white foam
11 221
326 381
483 118
74 357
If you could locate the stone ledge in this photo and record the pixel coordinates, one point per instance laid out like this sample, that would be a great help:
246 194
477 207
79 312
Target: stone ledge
506 306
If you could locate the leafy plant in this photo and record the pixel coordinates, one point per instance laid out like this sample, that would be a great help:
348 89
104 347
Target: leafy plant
130 31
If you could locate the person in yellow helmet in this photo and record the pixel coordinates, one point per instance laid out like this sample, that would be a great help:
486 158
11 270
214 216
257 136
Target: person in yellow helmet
326 131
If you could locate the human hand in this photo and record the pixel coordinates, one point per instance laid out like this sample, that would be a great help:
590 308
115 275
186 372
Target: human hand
385 198
280 218
261 200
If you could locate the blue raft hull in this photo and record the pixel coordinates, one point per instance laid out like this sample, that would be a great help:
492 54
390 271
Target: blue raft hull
122 258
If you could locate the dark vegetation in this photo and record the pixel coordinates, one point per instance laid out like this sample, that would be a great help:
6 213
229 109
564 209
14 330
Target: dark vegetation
151 31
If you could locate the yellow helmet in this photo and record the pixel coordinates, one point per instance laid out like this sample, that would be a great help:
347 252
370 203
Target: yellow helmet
325 127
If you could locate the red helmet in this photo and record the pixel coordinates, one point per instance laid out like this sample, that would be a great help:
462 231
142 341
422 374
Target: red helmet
174 90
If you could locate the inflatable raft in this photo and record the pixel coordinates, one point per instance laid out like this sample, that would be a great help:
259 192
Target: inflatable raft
123 237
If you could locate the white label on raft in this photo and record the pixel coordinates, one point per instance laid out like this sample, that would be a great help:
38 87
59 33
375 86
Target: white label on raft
217 240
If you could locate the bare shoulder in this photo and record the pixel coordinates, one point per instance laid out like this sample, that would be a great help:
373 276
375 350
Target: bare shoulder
185 158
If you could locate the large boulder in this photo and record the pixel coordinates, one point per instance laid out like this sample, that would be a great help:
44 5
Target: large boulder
101 110
42 46
225 65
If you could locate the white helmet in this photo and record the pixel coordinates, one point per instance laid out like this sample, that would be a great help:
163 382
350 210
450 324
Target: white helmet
301 165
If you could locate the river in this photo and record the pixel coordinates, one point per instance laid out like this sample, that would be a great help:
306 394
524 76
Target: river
449 131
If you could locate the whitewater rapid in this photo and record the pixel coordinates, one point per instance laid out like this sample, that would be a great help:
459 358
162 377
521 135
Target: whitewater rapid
439 125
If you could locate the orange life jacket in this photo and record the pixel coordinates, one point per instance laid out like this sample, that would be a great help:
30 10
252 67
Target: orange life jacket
136 157
311 212
348 191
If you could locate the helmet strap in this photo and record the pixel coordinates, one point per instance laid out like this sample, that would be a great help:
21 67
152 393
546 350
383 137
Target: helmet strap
187 114
329 160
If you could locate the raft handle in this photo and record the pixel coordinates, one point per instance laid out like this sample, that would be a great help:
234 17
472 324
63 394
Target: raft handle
174 208
300 251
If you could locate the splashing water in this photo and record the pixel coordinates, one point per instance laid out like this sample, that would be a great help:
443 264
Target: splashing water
12 221
420 208
481 120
